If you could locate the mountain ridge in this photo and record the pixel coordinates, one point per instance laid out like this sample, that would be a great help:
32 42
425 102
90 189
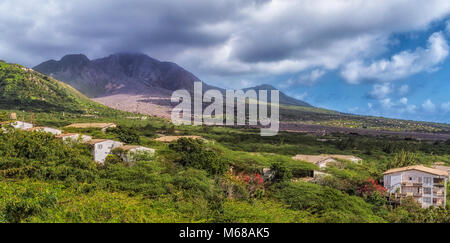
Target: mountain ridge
130 73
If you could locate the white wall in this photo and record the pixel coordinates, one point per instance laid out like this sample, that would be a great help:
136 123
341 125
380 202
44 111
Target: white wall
103 149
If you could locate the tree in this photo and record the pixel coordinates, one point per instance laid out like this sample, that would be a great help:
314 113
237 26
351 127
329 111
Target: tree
125 134
402 159
281 172
195 154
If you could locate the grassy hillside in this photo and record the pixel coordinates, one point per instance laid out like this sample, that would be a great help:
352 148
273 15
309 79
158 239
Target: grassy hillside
24 89
44 180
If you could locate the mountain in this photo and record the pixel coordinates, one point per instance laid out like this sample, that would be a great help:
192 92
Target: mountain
284 99
124 73
22 88
131 82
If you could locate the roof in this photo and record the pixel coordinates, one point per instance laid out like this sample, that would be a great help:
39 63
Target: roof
9 122
66 135
441 167
130 147
37 128
343 157
418 168
91 125
319 158
175 138
311 158
95 141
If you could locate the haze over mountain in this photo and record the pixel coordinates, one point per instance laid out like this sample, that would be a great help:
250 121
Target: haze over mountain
125 80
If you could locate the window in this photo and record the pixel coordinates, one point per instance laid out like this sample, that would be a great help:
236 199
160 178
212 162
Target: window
410 178
427 199
427 180
427 191
100 146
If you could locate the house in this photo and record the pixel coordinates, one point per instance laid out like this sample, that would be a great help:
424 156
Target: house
74 137
130 151
350 158
319 160
102 126
102 148
53 131
323 160
426 185
18 125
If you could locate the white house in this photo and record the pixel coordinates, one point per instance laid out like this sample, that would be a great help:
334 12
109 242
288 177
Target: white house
74 137
19 125
102 148
425 185
102 126
53 131
130 151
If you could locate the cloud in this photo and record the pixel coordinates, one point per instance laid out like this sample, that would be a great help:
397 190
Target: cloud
445 106
309 79
400 65
380 91
213 38
428 106
403 90
301 96
386 103
404 101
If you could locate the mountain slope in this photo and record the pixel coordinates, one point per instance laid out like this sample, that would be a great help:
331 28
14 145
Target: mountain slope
119 74
284 99
23 88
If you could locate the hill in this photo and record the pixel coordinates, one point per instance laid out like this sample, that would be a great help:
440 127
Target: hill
284 99
125 73
22 88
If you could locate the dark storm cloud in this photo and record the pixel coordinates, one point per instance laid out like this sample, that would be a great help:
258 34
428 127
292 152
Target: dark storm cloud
211 37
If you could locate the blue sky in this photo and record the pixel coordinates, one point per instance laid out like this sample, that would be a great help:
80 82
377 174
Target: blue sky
422 95
386 57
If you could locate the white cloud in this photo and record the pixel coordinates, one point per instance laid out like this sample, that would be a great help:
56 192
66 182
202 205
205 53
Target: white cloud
445 106
400 65
311 77
301 96
428 106
386 103
380 91
403 90
404 100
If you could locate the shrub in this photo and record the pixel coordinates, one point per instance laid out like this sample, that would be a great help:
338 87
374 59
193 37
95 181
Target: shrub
281 172
125 134
194 153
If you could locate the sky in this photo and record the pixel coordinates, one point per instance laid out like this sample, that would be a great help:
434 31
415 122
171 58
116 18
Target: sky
384 58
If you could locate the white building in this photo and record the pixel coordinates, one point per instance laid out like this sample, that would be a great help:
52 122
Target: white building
74 137
101 126
130 151
427 186
53 131
102 148
19 125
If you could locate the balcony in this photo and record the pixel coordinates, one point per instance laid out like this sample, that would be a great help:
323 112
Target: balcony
411 184
411 194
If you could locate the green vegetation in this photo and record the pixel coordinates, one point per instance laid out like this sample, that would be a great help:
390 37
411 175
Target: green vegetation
221 179
25 89
45 180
